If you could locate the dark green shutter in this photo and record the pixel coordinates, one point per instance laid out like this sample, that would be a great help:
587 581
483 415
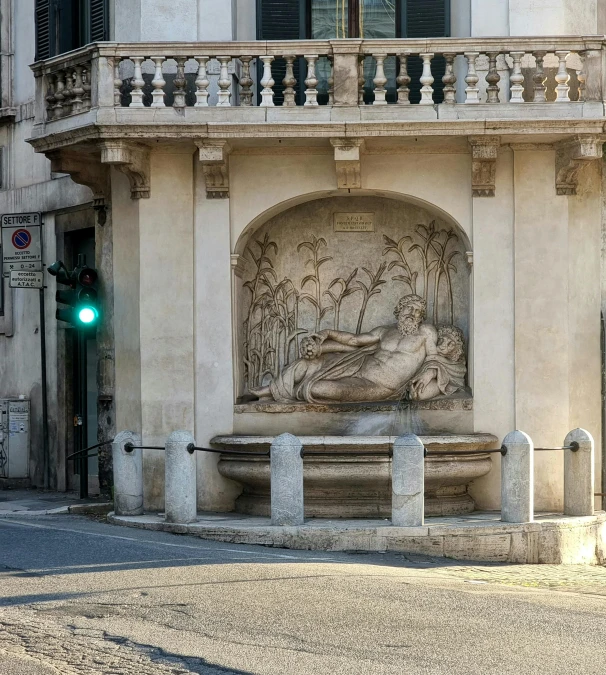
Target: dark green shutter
279 20
98 21
423 19
44 48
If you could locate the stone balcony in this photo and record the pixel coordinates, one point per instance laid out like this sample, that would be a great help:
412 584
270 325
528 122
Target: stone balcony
365 88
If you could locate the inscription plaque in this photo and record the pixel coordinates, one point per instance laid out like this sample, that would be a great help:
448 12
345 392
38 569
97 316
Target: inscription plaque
354 222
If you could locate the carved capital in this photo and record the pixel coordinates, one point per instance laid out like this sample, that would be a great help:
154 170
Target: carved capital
484 153
238 264
348 164
571 157
214 157
132 160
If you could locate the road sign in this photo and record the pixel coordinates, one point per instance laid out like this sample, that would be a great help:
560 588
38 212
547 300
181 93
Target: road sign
23 279
21 243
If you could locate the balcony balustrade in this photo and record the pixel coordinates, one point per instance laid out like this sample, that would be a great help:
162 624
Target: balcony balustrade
314 81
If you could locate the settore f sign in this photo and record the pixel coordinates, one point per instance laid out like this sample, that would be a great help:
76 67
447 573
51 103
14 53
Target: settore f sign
21 243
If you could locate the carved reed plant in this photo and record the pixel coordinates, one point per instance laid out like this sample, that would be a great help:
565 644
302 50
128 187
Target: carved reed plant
316 261
374 288
345 289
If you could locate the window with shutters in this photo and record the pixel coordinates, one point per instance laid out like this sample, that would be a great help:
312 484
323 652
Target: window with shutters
63 25
368 19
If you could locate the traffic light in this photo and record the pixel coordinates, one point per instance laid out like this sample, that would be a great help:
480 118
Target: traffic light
81 298
87 305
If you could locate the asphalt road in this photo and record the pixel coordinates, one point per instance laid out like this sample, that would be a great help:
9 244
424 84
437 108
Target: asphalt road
79 596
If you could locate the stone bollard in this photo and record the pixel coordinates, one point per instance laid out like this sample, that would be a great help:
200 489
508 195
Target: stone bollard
579 474
286 481
180 479
517 479
128 475
408 482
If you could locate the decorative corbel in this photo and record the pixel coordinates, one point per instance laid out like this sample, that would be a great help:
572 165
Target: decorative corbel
348 162
484 153
132 160
571 157
214 157
85 170
238 265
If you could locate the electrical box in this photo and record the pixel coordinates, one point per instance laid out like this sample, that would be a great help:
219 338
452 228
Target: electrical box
14 438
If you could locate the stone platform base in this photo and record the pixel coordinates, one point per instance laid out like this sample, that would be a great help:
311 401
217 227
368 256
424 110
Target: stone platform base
482 537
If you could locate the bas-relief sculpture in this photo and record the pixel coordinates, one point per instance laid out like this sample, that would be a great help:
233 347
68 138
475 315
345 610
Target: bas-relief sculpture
295 348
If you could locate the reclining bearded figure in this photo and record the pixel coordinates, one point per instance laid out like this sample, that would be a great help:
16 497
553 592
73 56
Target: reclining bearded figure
408 359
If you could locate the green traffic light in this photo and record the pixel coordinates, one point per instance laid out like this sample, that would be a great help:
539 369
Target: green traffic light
88 315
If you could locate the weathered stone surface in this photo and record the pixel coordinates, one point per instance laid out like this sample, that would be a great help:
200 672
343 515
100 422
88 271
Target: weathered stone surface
517 479
408 482
347 486
562 540
579 472
128 475
286 481
180 479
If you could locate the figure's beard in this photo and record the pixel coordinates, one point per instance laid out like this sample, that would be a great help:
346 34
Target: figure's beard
408 326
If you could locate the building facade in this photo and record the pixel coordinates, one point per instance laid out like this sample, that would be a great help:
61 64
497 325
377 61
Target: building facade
250 175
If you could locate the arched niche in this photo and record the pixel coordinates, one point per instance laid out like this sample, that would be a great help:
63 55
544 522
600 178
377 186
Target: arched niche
341 263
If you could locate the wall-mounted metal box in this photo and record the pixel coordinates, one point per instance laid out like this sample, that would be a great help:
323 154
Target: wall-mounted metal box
14 438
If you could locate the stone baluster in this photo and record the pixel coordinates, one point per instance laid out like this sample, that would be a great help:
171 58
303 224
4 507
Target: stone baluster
493 78
68 92
246 82
59 89
289 82
472 92
117 83
361 80
516 78
450 80
562 77
538 79
224 82
311 81
426 80
179 95
380 80
50 96
86 85
138 82
267 82
403 80
331 80
202 82
158 83
78 89
582 77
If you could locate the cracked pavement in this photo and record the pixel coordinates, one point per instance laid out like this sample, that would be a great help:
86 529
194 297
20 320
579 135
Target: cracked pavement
84 597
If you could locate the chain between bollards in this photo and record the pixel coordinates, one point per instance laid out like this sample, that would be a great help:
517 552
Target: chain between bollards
574 446
191 448
129 447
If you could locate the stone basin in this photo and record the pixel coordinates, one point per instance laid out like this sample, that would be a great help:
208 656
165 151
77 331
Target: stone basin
359 486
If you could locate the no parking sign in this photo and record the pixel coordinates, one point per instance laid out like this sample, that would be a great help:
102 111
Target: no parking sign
21 243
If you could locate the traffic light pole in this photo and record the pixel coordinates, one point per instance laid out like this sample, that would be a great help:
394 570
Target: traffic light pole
82 405
45 452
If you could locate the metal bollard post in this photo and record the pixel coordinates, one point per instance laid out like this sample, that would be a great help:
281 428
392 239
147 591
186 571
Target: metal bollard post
286 481
517 479
579 469
180 479
128 475
408 482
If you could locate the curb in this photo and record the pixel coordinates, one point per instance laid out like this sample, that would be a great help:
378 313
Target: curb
76 509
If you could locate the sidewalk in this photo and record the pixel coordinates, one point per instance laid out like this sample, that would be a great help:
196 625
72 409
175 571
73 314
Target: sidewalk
46 502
